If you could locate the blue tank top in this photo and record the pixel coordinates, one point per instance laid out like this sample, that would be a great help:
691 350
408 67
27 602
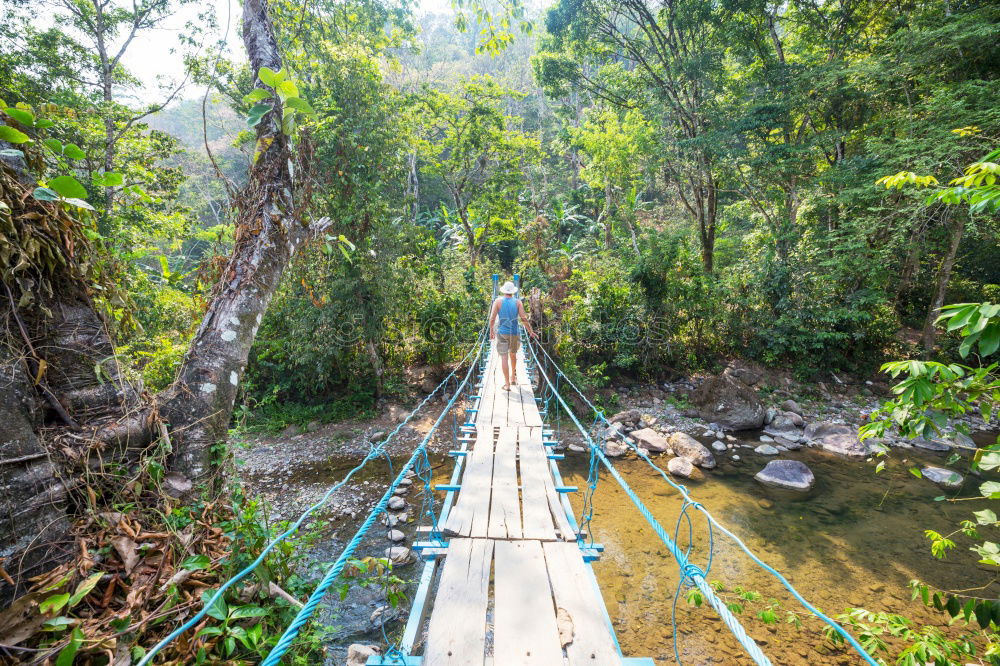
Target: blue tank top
507 316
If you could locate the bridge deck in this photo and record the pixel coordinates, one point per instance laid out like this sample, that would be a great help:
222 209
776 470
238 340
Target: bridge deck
514 588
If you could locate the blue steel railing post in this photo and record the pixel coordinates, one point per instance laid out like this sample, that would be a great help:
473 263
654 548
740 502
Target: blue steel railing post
517 280
496 285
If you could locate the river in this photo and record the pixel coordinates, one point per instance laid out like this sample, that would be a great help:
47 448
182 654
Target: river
856 540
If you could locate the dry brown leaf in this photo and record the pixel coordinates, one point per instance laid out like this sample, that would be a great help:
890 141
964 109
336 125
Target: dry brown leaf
564 621
21 619
128 552
126 528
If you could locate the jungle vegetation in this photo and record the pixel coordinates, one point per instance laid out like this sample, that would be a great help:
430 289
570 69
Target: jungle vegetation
329 186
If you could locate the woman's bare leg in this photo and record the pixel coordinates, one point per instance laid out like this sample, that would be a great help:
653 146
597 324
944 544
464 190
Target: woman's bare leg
513 366
506 372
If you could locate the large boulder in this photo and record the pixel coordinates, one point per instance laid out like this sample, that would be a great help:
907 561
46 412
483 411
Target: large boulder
357 654
627 416
683 468
838 438
943 477
745 375
688 447
791 406
650 440
729 402
614 448
787 474
785 425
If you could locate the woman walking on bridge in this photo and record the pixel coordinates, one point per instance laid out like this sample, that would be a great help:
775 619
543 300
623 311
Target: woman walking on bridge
508 310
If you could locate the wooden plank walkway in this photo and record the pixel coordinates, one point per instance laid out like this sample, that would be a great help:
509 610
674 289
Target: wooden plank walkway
514 589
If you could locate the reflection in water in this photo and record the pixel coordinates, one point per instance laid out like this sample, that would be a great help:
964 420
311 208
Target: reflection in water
855 540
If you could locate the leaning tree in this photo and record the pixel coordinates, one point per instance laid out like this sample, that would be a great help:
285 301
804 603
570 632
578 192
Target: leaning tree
65 406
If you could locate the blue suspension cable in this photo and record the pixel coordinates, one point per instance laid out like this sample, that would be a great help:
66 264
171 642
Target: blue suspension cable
375 452
291 633
693 572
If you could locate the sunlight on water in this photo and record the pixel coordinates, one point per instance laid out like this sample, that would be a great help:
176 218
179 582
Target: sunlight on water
855 540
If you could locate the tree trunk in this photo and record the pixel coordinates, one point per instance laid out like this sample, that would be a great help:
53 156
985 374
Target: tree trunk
199 405
413 186
944 275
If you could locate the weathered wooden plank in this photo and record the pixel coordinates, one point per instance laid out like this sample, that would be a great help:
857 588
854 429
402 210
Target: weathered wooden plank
536 520
484 418
457 632
556 509
524 627
470 515
505 509
577 602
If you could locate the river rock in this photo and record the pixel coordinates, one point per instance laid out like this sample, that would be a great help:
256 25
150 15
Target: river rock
791 406
787 443
396 536
614 449
787 474
836 438
767 450
729 402
719 446
767 439
686 446
945 478
357 654
576 448
683 468
176 484
399 555
397 503
930 445
627 416
745 375
784 425
651 440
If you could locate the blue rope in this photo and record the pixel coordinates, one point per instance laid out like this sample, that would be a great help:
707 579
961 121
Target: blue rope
690 571
291 633
373 453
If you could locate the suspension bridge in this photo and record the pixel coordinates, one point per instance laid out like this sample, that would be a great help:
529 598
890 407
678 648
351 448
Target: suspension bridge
506 574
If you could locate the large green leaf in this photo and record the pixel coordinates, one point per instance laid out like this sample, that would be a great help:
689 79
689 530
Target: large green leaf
45 194
23 116
68 187
256 113
218 609
73 152
299 105
268 76
287 89
256 95
11 135
990 489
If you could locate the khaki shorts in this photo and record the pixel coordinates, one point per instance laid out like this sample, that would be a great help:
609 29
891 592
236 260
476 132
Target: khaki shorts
508 344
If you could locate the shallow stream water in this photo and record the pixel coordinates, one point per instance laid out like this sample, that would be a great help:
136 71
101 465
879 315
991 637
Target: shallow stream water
856 540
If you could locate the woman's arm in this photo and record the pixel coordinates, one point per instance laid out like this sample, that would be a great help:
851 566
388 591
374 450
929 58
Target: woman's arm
524 318
493 317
